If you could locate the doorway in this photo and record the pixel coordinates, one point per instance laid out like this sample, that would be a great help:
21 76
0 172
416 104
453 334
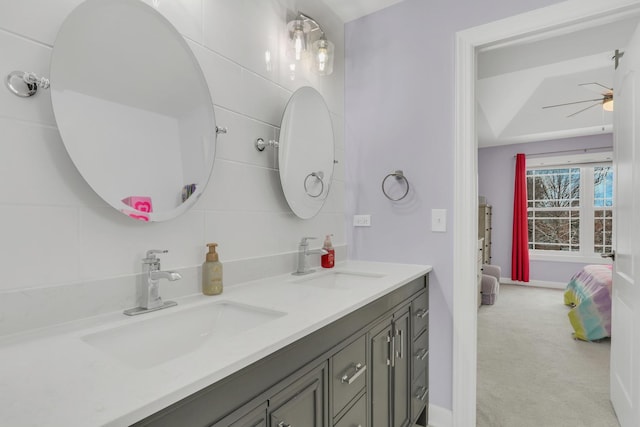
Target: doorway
560 18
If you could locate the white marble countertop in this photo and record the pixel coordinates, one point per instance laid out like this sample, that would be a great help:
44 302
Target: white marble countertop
51 377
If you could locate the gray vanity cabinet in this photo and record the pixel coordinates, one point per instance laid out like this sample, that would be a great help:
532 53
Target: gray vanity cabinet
303 403
390 344
366 369
420 358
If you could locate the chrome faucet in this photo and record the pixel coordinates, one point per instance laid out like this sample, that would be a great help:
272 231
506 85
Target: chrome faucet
303 252
151 300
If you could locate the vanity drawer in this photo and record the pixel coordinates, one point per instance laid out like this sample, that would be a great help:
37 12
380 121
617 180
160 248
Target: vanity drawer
356 416
420 313
419 394
349 373
420 359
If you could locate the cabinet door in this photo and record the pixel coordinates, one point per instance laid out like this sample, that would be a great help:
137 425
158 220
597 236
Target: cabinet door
401 364
302 404
380 374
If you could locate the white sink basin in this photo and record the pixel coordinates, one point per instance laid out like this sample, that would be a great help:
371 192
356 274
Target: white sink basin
165 336
340 280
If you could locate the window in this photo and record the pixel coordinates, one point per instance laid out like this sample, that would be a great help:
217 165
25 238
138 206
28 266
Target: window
603 204
570 209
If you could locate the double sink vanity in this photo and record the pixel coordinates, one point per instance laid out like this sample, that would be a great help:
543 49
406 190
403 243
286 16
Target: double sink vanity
342 347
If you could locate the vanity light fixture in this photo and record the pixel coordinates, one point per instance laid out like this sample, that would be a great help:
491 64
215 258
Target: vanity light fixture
323 56
303 28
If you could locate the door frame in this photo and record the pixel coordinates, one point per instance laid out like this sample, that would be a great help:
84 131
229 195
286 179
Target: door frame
560 18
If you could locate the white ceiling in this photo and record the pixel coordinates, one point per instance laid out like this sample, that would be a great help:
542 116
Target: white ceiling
516 80
348 10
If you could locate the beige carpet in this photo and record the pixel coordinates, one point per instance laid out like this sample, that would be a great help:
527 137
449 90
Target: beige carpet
531 372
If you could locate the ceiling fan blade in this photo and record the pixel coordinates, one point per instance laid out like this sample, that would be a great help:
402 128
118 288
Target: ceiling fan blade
610 89
584 109
572 103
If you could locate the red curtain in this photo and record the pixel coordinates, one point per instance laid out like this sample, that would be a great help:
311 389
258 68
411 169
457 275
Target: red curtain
520 245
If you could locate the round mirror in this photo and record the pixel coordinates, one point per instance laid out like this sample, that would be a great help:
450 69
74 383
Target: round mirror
306 152
133 108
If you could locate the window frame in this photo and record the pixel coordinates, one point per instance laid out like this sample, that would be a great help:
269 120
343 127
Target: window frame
587 165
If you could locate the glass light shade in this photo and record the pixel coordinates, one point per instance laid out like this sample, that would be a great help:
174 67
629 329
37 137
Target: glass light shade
607 105
298 30
323 53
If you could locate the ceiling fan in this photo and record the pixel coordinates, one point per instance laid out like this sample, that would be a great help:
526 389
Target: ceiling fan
606 100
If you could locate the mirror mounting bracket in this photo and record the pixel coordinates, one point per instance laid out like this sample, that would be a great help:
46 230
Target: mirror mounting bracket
25 84
261 144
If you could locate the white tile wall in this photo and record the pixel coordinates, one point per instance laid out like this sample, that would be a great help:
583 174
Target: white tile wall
56 234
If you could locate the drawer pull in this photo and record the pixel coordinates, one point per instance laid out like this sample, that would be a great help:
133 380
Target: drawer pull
422 393
422 313
359 368
422 354
400 352
283 424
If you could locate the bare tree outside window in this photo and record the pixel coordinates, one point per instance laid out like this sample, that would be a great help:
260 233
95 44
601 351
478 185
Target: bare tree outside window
554 209
603 209
556 206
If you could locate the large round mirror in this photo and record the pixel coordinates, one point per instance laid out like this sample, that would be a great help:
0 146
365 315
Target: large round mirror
133 108
306 152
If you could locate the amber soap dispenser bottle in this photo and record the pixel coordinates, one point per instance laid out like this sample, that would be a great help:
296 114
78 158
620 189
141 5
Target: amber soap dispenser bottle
212 272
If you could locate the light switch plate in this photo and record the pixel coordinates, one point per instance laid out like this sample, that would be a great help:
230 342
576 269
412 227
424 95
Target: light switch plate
439 220
362 220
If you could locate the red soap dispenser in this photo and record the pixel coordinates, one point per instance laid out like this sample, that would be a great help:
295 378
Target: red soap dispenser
328 260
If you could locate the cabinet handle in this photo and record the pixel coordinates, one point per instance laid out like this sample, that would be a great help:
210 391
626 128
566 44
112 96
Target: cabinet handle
393 350
388 349
422 313
422 354
359 369
422 393
283 424
399 334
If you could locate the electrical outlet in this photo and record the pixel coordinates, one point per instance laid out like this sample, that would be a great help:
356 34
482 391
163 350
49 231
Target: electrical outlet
362 220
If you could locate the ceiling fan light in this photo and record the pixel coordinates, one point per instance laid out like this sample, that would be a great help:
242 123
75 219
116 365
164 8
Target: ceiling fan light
607 105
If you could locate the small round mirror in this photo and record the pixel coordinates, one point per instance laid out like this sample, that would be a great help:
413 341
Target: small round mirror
306 152
133 108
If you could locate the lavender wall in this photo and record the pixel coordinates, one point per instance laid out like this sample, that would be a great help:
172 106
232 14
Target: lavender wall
496 167
399 111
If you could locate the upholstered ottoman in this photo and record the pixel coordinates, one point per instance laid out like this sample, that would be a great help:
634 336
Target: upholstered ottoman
490 283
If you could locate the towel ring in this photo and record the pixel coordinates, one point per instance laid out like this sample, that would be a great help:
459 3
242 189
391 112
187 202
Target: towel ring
320 177
399 175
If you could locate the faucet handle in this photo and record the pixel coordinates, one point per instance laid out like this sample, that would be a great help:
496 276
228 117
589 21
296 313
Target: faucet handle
304 240
151 256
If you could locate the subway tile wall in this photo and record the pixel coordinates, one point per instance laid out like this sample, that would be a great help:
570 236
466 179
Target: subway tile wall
55 231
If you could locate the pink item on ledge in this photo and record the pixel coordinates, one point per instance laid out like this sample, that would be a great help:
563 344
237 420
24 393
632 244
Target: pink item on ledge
139 203
136 215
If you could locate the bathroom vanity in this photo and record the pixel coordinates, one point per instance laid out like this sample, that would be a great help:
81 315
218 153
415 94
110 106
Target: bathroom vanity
369 368
342 347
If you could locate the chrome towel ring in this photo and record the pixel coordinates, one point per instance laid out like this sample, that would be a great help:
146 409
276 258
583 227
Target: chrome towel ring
399 175
320 177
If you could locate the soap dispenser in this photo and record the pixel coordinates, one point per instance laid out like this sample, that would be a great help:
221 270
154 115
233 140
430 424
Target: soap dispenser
328 260
212 272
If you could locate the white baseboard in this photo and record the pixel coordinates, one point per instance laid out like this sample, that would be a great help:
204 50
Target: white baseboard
440 417
534 283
